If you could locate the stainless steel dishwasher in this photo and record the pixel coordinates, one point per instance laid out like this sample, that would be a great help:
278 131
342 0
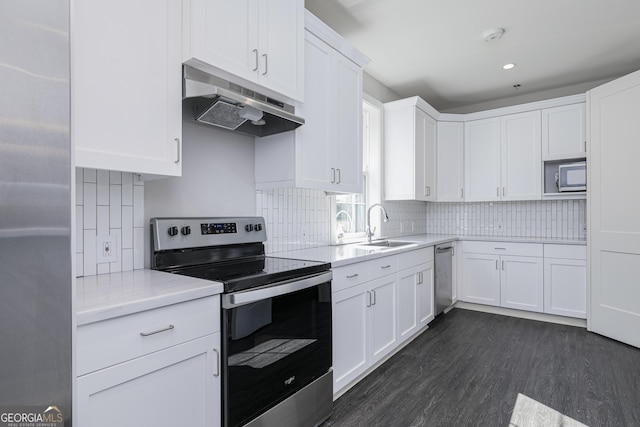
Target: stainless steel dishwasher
444 281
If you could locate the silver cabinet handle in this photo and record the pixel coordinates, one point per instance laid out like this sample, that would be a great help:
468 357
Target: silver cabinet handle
352 276
503 265
368 298
339 176
146 334
462 193
386 266
266 69
177 140
374 297
504 191
496 264
585 146
255 52
217 374
500 249
333 175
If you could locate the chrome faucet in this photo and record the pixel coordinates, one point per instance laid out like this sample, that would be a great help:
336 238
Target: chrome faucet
385 218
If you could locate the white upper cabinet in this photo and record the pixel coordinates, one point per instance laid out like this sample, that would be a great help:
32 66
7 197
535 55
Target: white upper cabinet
482 160
126 85
450 162
563 132
521 164
502 158
259 41
409 150
326 152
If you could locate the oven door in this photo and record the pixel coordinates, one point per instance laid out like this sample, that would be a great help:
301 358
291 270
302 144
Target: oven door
277 339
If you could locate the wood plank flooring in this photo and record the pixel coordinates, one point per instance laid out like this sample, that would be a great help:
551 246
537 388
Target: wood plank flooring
468 368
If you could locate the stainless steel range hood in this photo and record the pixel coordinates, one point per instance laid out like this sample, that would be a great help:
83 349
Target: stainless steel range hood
218 102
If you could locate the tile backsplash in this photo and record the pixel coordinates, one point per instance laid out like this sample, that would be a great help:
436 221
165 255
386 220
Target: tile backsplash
109 204
551 219
406 217
295 218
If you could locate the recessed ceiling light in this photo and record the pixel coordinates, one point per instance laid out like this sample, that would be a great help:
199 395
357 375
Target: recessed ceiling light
508 66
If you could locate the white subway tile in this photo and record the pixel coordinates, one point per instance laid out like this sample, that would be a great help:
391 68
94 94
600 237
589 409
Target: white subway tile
103 188
138 248
90 206
127 227
90 175
103 220
138 206
127 259
79 265
127 189
89 263
79 186
79 229
115 177
116 266
115 206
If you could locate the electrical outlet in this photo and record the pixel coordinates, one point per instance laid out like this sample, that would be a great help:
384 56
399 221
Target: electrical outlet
106 249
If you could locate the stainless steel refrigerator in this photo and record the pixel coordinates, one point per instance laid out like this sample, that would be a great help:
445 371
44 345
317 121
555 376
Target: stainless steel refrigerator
35 210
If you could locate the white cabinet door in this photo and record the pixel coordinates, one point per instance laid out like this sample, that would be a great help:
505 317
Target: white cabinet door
450 163
258 41
563 132
481 283
408 281
410 151
521 283
345 146
565 287
350 329
280 46
382 317
425 294
456 275
126 97
482 160
176 386
521 163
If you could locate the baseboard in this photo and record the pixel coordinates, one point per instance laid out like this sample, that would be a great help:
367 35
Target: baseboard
551 318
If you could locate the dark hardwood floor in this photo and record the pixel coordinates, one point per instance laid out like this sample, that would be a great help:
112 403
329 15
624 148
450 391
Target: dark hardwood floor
468 367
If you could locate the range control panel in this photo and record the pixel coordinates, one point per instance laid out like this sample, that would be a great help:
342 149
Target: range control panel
181 233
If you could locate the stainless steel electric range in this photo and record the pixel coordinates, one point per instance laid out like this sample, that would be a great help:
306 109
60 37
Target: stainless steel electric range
276 318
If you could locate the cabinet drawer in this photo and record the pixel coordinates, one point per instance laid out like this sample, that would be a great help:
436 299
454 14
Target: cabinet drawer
503 248
349 275
383 266
413 258
116 340
565 251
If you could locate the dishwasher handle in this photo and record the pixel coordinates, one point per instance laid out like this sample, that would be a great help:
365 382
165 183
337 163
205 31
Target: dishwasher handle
444 249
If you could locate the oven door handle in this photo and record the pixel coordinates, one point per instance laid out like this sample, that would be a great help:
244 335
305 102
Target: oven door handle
277 289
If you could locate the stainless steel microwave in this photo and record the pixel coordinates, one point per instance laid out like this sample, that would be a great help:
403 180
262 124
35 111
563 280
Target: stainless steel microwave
572 177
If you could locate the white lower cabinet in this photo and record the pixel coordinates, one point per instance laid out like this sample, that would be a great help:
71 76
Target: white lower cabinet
378 304
176 386
503 274
415 299
565 280
164 370
521 283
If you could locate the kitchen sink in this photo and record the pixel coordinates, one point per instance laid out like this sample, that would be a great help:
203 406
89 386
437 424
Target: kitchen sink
386 244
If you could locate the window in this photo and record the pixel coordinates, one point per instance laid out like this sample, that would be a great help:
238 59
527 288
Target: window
348 222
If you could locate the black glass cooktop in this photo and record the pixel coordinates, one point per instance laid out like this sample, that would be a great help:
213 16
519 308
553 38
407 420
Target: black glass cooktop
253 272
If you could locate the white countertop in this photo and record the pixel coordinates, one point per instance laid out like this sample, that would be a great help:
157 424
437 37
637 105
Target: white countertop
340 255
112 295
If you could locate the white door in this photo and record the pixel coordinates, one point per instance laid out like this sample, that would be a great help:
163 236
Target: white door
350 318
614 209
450 164
522 283
408 281
425 295
563 132
382 317
482 160
179 386
346 146
428 161
312 140
565 287
521 161
280 50
481 279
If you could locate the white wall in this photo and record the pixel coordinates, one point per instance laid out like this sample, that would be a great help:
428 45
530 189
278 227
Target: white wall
217 178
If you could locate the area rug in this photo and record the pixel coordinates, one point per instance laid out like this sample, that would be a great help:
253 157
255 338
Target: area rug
530 413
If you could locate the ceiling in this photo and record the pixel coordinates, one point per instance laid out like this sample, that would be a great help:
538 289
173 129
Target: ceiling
435 49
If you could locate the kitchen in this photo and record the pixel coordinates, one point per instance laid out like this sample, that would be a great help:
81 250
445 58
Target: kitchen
223 174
